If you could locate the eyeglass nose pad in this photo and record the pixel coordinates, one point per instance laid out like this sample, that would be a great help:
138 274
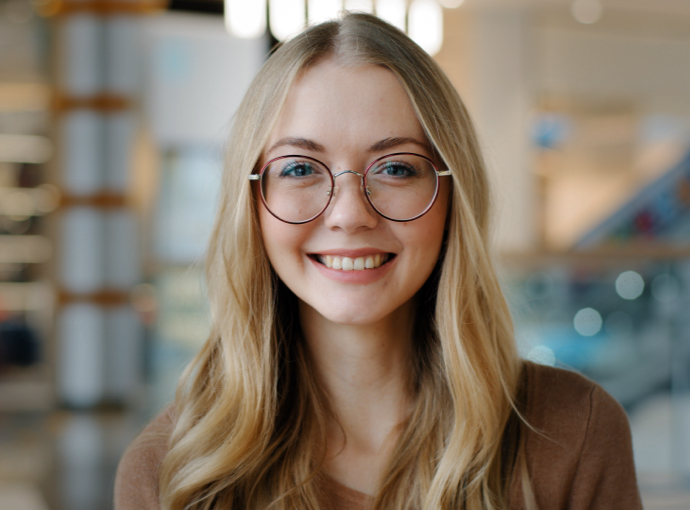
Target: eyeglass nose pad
332 190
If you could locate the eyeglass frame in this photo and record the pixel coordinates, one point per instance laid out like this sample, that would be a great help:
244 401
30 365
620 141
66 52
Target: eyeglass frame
439 173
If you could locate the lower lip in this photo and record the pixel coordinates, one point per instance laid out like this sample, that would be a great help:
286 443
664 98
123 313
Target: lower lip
354 276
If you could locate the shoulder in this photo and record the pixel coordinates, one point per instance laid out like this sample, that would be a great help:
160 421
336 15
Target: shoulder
577 441
568 407
557 397
136 482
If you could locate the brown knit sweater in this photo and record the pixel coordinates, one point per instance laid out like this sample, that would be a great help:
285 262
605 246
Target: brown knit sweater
581 460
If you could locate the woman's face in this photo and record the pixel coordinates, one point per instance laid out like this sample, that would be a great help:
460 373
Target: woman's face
346 118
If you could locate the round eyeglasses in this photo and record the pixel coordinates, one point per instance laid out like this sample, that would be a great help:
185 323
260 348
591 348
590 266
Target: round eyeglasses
399 187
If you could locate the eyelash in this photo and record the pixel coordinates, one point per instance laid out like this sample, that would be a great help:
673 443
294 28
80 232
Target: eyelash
293 165
399 164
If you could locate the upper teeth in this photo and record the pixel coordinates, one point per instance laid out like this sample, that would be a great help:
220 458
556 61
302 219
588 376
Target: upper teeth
349 264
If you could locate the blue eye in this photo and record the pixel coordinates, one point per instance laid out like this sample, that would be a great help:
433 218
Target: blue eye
397 169
297 169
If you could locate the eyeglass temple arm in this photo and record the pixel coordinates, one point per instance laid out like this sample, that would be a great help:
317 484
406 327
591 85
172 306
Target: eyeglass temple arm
444 172
254 177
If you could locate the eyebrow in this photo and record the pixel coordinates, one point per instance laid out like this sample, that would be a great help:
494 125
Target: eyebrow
382 145
390 143
300 143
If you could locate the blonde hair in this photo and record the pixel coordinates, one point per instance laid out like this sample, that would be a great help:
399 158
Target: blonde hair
250 430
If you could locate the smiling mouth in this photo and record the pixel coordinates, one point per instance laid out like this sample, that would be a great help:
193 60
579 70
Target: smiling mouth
354 263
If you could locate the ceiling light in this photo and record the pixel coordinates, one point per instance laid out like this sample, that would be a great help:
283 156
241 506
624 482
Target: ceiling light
359 6
286 17
323 10
451 4
245 18
392 11
425 25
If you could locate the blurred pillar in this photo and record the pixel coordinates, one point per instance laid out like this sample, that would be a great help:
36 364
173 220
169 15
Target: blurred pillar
503 96
80 359
80 448
99 338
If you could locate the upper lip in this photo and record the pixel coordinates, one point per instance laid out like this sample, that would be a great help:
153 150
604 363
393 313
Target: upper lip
360 252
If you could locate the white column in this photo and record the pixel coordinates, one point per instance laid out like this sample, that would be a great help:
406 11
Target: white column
502 59
124 332
123 353
80 449
81 256
99 72
118 150
81 141
122 69
81 54
122 49
80 354
121 251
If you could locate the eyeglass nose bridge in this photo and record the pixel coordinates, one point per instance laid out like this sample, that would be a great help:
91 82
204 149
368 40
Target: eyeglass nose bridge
361 177
348 172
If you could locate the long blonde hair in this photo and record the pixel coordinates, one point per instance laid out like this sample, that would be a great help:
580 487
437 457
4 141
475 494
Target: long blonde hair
250 430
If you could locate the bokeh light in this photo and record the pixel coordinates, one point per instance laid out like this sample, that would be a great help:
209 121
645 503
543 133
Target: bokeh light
629 285
587 322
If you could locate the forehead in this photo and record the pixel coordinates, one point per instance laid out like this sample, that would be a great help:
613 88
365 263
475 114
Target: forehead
341 106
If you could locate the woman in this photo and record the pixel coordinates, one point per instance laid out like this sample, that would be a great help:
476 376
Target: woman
361 352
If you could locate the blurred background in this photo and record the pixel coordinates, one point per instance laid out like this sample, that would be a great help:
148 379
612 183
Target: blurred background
113 115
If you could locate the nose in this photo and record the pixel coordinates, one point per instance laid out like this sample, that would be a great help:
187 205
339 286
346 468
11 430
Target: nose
349 209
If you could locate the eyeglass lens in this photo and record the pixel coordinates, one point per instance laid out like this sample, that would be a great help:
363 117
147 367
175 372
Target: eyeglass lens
400 187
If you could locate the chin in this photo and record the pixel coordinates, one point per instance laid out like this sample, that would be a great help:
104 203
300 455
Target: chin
352 314
351 317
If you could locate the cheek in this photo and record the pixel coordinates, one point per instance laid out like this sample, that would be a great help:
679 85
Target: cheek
430 243
281 240
437 218
429 233
423 242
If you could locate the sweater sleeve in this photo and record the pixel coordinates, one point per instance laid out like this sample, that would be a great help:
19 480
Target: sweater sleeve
605 475
136 482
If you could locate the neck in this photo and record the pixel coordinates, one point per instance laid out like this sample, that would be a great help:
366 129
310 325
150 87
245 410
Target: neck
365 372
